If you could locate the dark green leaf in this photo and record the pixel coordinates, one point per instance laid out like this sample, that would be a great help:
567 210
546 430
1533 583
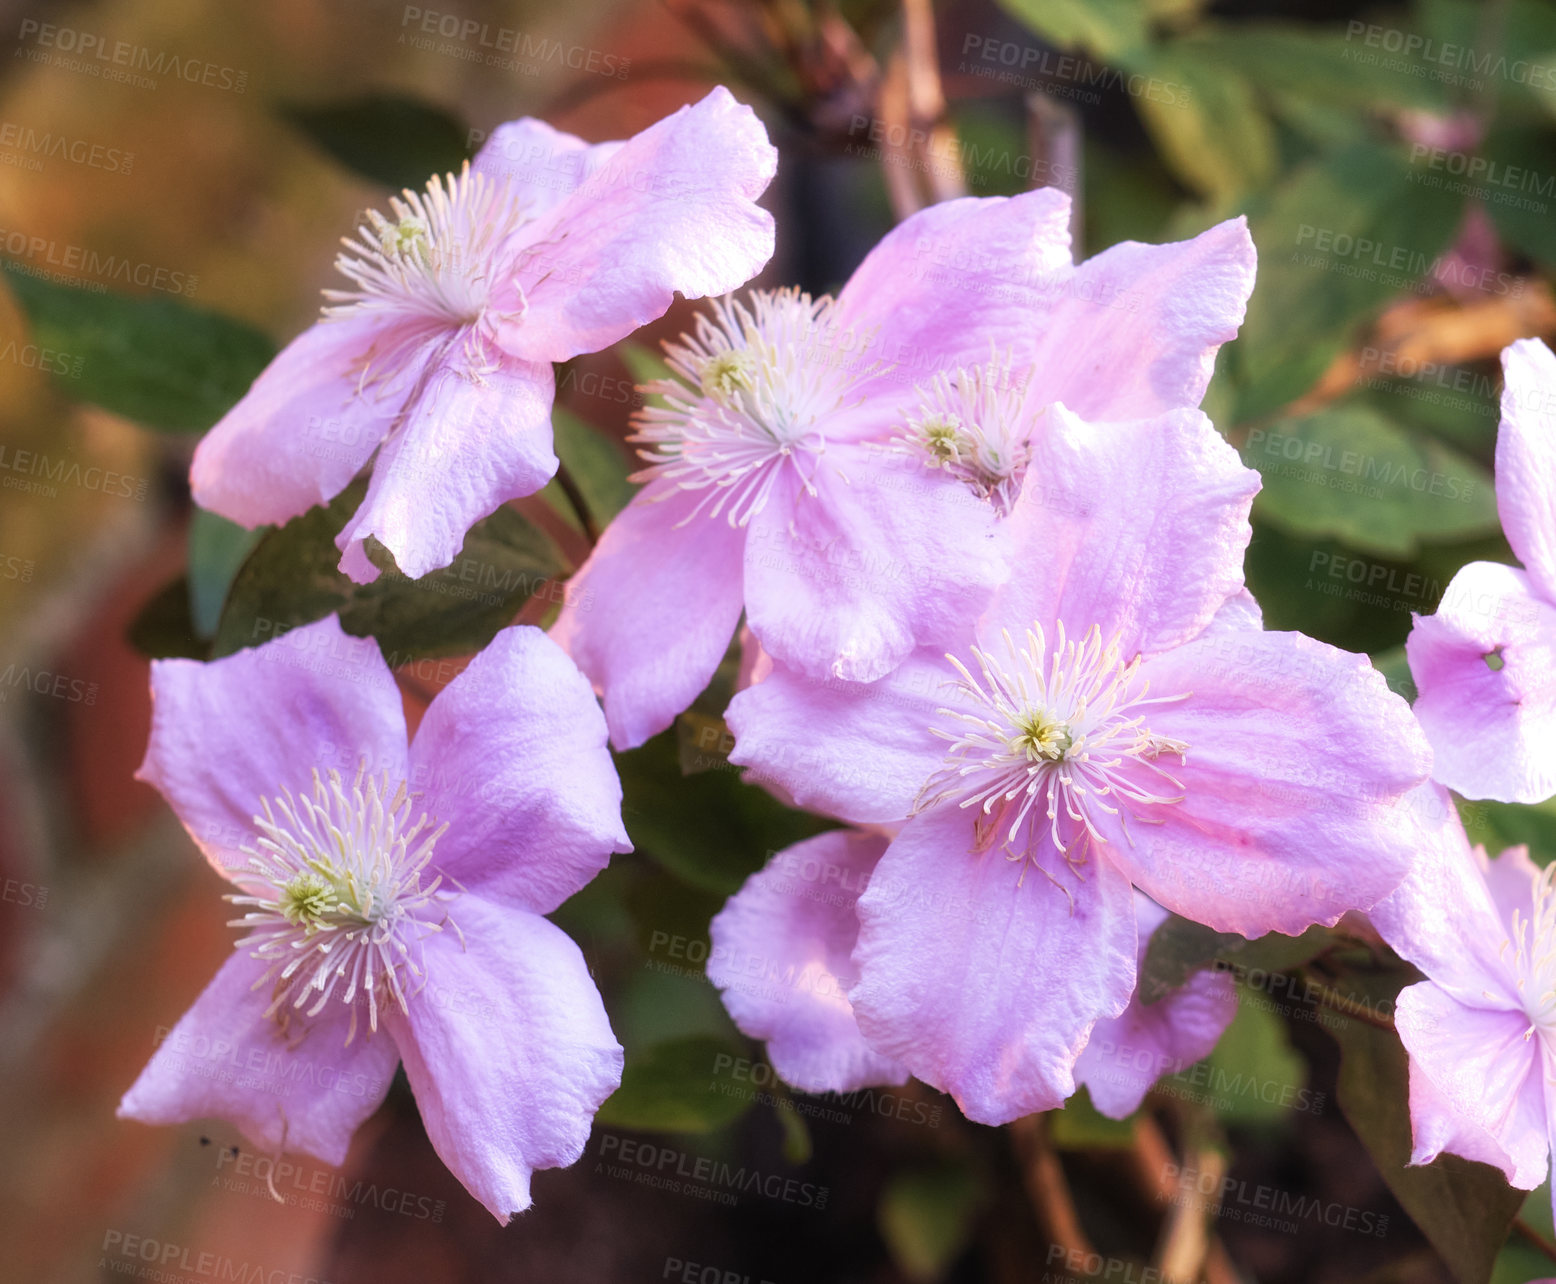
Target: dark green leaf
156 360
1178 949
391 139
1252 1077
1079 1125
1106 28
926 1217
1350 474
1341 236
1517 181
217 550
710 830
163 629
596 464
1463 1208
672 1087
291 579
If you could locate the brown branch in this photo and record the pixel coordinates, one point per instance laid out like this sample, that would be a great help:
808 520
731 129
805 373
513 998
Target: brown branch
1046 1187
576 501
1546 1246
1356 1009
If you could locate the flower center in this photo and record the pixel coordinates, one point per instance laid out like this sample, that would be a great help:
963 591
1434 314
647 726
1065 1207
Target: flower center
977 425
435 260
1048 738
754 387
340 895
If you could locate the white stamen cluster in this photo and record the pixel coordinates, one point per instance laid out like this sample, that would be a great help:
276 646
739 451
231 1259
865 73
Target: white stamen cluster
1534 959
435 261
341 896
756 384
1046 739
977 425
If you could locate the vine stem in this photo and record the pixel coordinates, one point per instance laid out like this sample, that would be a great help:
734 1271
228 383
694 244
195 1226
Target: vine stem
1345 1005
575 498
1545 1245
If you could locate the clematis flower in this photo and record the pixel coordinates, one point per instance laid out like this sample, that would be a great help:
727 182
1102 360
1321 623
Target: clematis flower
1116 719
438 357
781 959
1481 1029
390 896
1485 663
838 468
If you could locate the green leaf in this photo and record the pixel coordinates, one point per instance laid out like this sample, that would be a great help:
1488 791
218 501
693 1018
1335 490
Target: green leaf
1463 1208
1349 473
163 629
1340 236
1519 183
671 1087
1178 949
1079 1125
389 138
1107 28
291 579
1496 825
926 1217
710 830
1395 668
1207 122
646 365
217 550
155 360
597 465
1252 1077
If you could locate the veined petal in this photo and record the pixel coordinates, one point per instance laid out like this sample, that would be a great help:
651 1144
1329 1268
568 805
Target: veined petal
983 975
299 1089
780 959
1485 667
1526 460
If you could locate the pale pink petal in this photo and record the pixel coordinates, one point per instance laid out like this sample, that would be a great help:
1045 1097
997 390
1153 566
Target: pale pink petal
1127 1054
780 957
1492 731
672 210
303 431
305 1089
1526 460
512 756
470 442
1134 331
541 165
956 280
1240 613
507 1049
857 751
1298 763
226 734
650 615
846 581
984 976
1445 917
1137 529
1437 1126
1510 879
1486 1071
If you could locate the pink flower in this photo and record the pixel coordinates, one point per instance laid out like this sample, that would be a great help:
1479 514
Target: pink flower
439 356
837 469
391 897
1485 663
1116 719
1481 1029
781 957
